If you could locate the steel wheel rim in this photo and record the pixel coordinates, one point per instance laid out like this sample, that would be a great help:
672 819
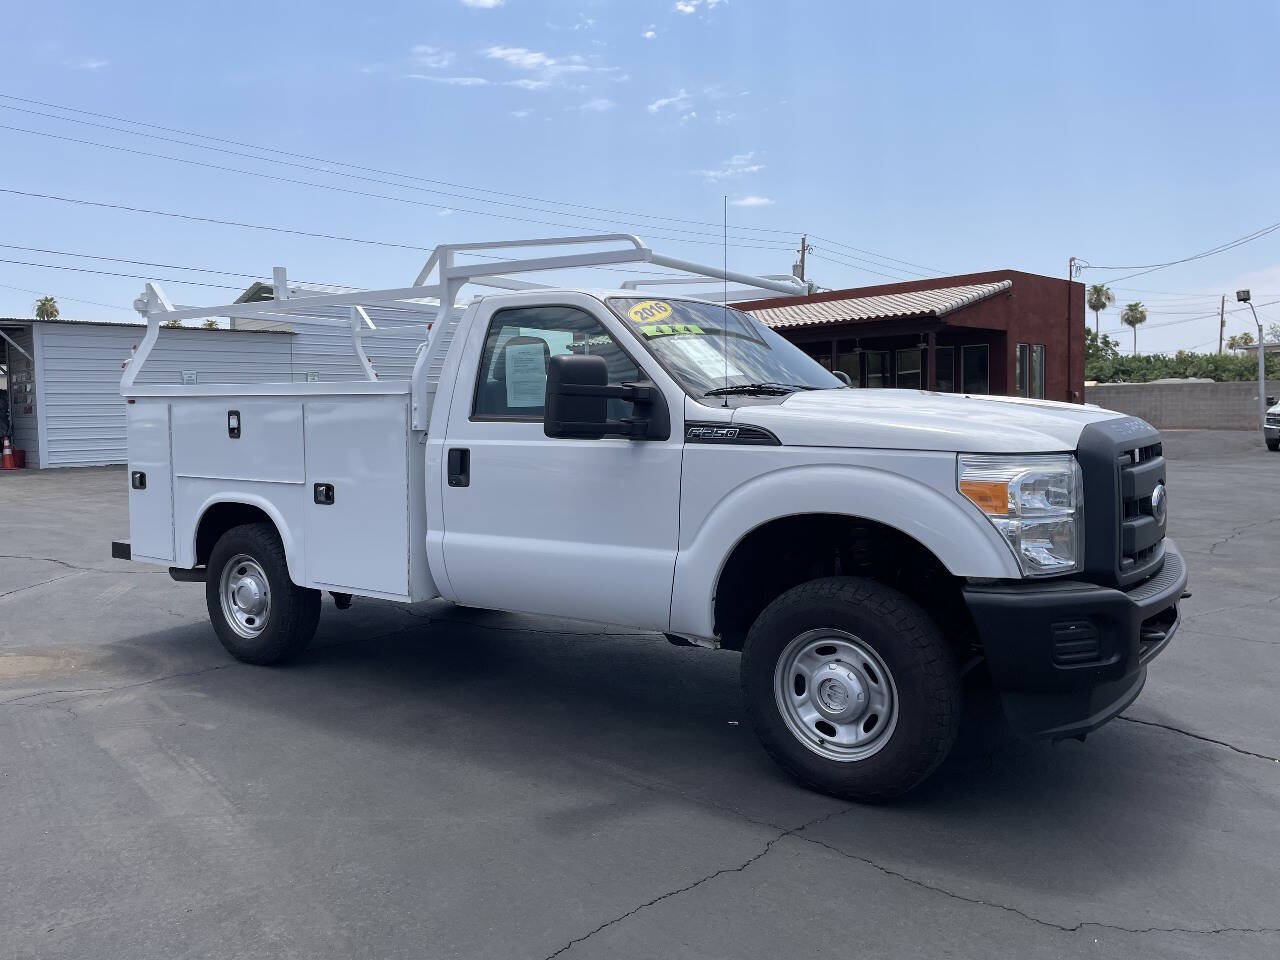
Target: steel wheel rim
835 695
245 594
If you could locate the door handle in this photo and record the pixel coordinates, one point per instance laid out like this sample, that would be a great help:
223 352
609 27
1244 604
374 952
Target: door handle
459 467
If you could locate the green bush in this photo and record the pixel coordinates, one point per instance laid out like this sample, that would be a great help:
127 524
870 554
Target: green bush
1104 363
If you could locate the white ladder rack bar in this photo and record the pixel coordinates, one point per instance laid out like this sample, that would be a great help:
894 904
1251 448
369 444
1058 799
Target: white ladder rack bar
451 278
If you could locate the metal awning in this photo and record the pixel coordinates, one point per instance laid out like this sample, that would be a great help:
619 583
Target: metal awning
916 303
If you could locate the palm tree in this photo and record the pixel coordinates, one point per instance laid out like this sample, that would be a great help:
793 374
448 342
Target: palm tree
1133 315
46 309
1098 299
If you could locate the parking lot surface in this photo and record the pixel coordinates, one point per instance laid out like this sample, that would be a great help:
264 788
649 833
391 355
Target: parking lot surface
431 781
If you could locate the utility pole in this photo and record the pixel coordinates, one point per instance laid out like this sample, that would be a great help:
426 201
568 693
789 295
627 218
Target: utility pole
804 248
1245 297
1222 320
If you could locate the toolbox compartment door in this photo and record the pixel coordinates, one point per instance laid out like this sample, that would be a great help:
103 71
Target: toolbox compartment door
150 480
358 524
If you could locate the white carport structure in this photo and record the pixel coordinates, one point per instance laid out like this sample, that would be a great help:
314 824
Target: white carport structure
64 379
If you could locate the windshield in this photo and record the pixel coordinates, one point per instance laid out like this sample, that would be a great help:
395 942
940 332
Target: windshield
716 350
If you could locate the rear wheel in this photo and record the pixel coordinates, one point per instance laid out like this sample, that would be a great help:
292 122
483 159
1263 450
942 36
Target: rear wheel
1273 444
851 688
259 614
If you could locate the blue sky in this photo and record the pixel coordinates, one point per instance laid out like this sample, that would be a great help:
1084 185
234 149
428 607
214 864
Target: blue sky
954 137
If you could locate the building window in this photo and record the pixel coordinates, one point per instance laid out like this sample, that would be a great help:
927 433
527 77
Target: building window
819 351
907 373
877 368
975 375
849 360
1037 371
945 375
1022 369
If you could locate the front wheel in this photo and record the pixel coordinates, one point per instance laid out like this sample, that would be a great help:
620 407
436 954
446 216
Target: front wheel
1273 445
259 614
851 688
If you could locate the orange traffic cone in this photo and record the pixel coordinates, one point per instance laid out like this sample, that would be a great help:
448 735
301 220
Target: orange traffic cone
8 462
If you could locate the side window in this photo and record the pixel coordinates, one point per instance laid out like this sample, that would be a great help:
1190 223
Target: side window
512 380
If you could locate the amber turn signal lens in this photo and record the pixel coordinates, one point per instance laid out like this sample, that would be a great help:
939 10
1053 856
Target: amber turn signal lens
991 496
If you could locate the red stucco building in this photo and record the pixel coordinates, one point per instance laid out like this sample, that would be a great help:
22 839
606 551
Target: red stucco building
1001 332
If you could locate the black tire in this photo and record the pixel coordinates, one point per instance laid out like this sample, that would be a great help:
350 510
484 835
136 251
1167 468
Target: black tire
921 665
293 612
1273 445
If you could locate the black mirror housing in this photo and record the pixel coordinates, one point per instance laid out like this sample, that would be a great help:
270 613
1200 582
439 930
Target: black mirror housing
570 413
577 402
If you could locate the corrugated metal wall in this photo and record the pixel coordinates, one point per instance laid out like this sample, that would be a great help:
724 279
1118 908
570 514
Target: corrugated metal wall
22 401
80 366
325 349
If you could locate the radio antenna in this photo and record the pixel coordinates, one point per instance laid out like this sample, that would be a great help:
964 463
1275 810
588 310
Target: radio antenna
724 303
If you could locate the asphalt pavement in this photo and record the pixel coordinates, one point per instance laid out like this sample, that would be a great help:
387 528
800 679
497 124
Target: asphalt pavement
433 782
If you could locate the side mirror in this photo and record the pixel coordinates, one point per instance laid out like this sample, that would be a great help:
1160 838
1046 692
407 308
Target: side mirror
577 402
1271 402
842 377
571 410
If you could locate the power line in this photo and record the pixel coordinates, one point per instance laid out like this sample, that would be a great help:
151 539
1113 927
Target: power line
58 296
320 170
855 266
268 227
1174 323
137 263
932 270
351 191
110 273
329 162
844 257
1144 269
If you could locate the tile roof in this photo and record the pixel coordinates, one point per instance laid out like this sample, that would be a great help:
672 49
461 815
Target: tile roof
917 303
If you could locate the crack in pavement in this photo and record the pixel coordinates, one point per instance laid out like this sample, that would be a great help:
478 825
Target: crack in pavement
791 831
91 692
72 566
32 586
1031 918
1197 736
1238 531
797 833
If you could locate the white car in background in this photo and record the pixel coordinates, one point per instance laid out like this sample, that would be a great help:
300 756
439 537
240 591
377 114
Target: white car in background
1271 427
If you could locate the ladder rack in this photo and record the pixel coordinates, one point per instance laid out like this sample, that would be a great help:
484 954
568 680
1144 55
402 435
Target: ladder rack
437 298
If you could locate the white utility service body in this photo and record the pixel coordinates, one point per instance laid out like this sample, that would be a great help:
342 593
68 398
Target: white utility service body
408 491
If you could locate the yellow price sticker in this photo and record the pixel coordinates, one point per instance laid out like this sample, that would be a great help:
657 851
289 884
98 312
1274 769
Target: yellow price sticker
649 311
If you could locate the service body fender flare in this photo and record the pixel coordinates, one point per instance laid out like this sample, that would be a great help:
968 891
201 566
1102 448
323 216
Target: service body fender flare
962 539
292 549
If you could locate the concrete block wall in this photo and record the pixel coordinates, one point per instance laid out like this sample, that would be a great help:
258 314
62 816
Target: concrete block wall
1205 406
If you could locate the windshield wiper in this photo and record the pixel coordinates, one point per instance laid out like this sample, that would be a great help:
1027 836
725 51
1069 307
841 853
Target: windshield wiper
767 389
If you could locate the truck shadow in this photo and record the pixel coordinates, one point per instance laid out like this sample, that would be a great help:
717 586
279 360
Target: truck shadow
626 720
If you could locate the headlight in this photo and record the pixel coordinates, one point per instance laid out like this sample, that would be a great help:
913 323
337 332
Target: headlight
1036 502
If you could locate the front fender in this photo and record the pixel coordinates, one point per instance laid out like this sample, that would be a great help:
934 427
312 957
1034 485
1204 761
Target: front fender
950 527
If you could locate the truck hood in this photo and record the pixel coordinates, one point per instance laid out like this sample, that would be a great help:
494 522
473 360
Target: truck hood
920 420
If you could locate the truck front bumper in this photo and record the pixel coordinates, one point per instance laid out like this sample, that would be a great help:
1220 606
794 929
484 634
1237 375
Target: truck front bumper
1067 656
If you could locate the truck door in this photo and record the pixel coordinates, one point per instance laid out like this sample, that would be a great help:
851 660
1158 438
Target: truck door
575 528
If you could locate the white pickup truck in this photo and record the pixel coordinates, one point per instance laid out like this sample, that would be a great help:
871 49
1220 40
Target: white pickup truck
671 464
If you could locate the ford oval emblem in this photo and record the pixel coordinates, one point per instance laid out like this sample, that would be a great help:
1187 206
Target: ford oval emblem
1159 504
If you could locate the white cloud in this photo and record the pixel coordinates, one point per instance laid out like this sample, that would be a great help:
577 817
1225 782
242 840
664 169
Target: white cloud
739 165
445 212
686 6
723 118
521 114
521 57
524 83
751 200
649 33
679 101
598 105
92 63
450 81
433 57
483 4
